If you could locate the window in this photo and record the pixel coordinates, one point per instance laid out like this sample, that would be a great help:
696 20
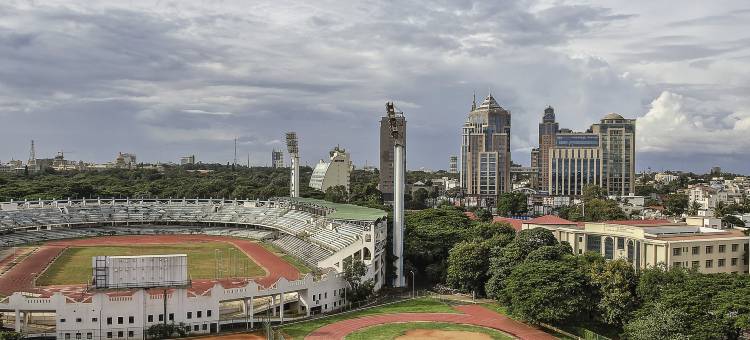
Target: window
109 335
94 319
325 295
677 264
78 336
62 320
735 246
722 262
171 316
199 314
709 249
189 315
131 334
676 251
709 263
722 248
78 320
696 250
161 317
120 320
150 318
119 334
196 328
695 264
89 335
109 321
734 261
131 319
208 313
67 336
205 327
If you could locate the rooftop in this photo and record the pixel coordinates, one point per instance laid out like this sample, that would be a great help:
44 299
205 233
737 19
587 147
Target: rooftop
344 211
550 220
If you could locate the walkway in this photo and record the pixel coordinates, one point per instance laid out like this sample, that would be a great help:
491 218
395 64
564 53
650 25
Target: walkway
472 315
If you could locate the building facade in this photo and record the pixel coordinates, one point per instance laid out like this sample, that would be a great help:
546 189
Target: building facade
387 143
277 159
548 129
335 172
574 161
485 152
648 243
185 160
617 140
453 165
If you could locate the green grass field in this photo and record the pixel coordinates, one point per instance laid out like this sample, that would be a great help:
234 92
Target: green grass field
420 305
394 330
74 264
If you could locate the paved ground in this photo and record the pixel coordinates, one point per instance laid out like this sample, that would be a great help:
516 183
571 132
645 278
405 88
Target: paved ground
20 277
472 315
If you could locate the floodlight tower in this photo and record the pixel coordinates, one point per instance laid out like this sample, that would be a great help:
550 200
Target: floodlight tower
292 146
399 178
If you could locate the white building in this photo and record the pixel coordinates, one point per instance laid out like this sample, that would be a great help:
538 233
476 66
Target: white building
333 173
665 178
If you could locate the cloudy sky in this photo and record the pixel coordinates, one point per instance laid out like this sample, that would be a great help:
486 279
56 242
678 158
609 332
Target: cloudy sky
168 78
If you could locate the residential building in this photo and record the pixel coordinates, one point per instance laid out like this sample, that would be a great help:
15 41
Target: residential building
665 178
277 159
485 153
453 165
646 243
387 143
335 172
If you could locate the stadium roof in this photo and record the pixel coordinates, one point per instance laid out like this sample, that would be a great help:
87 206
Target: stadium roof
344 211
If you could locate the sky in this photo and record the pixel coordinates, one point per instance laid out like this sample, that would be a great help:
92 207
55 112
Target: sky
164 79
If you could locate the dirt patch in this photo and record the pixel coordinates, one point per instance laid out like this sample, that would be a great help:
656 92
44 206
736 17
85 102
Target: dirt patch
435 334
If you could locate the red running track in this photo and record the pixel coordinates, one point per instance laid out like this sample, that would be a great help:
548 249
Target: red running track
20 277
472 315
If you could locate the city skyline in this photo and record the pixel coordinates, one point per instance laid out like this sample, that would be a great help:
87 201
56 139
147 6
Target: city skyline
189 78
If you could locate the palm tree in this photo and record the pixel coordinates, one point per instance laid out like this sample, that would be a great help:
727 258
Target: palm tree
719 209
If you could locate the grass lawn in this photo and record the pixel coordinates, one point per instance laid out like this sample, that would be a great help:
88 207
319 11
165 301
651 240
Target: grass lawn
301 266
74 264
394 330
421 305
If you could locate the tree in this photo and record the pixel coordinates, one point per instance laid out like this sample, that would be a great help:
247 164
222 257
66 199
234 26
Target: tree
657 322
547 291
512 204
694 208
483 215
594 210
592 191
354 271
467 266
720 209
419 199
676 204
166 331
617 283
336 194
487 230
733 221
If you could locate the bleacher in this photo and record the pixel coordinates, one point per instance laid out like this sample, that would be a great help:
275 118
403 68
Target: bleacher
308 236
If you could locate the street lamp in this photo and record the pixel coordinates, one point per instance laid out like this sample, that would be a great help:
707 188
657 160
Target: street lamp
412 283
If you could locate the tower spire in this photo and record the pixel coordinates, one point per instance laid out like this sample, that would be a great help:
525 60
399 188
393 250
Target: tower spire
474 101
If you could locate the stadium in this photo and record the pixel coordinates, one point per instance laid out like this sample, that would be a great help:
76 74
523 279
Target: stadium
247 261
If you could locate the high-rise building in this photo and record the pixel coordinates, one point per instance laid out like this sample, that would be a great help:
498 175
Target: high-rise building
385 185
277 159
453 165
333 173
604 155
185 160
485 152
617 138
125 160
548 128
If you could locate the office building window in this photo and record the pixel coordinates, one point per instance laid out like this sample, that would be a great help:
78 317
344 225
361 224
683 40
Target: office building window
722 248
150 318
695 264
67 336
696 250
721 262
205 327
677 264
161 317
709 263
109 321
131 334
189 315
131 319
676 251
208 313
196 328
78 336
171 316
734 261
89 336
735 246
109 335
94 319
120 334
709 249
120 320
78 320
62 320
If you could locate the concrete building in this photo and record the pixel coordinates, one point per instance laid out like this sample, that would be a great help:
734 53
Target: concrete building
548 129
453 165
665 178
574 162
335 172
125 160
617 142
485 153
647 243
277 159
387 143
187 160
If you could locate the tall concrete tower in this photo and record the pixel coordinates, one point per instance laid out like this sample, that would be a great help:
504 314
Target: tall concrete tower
399 179
548 130
292 146
387 142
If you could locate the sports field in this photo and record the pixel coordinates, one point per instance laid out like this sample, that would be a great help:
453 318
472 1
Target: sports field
73 266
427 330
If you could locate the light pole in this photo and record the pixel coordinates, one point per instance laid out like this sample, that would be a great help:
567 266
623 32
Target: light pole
412 283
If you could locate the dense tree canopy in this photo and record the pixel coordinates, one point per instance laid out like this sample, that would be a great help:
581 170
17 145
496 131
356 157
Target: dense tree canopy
512 204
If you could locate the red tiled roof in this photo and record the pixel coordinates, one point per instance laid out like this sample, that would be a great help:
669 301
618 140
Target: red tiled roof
516 224
549 220
470 215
